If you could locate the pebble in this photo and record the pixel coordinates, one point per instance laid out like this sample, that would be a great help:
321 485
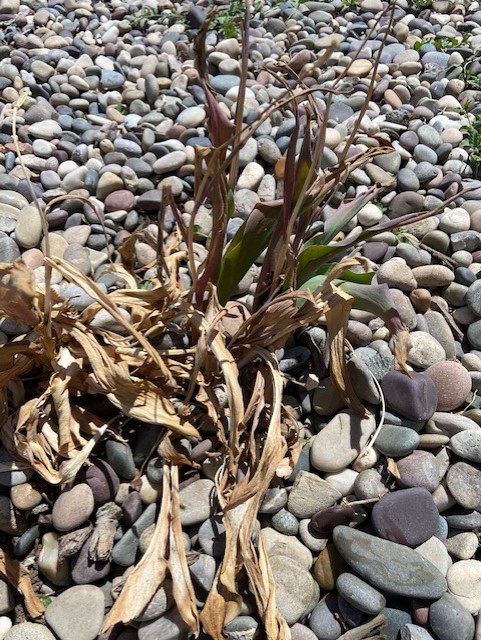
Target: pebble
464 482
452 383
29 631
389 566
463 580
448 619
73 508
310 494
396 441
341 441
360 594
419 469
407 516
296 591
78 612
414 397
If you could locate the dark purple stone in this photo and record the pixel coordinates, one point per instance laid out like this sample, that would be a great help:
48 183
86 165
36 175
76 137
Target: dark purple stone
132 508
414 397
407 516
85 571
102 479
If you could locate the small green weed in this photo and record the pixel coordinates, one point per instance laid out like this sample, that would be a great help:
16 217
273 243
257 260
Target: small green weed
472 142
443 43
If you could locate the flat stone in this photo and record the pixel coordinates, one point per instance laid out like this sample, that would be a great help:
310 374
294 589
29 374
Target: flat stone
77 613
360 594
407 516
311 494
277 544
449 619
452 382
433 275
73 508
296 590
324 620
425 350
414 397
389 566
45 129
29 631
396 441
419 469
28 229
464 482
435 551
341 441
462 545
170 626
396 273
467 445
196 502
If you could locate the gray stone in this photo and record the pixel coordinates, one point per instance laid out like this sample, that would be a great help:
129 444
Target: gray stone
341 441
296 590
168 627
324 620
407 516
125 550
464 482
77 613
161 602
396 441
449 619
389 566
467 445
413 632
29 631
196 502
311 494
360 594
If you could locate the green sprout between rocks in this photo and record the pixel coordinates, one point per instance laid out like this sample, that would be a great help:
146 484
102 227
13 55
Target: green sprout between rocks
472 143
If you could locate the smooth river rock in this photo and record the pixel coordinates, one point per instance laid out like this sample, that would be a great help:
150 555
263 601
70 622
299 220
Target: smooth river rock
389 566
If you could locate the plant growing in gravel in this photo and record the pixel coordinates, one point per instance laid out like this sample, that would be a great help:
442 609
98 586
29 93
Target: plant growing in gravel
309 274
472 142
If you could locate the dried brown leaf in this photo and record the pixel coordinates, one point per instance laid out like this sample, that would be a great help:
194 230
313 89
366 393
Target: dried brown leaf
135 397
183 589
18 292
337 316
240 506
18 576
392 467
148 575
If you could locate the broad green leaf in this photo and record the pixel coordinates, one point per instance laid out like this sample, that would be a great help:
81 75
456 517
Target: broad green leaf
343 215
250 240
373 298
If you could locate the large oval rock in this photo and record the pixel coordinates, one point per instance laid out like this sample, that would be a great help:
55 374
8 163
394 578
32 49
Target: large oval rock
449 619
196 502
72 508
297 593
341 441
77 613
414 397
311 494
407 516
452 382
389 566
464 482
464 582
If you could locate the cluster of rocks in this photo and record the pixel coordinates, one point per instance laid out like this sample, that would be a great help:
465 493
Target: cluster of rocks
114 113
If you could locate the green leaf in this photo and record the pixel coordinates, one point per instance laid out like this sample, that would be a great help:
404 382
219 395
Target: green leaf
250 240
373 298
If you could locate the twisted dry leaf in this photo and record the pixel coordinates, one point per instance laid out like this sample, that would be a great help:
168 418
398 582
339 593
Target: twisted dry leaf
17 292
165 553
17 575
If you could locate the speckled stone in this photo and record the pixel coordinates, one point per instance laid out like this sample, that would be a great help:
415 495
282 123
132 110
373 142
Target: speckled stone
452 382
407 516
389 566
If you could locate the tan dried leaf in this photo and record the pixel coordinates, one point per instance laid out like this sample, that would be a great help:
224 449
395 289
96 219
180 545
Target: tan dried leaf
135 397
17 575
17 292
337 316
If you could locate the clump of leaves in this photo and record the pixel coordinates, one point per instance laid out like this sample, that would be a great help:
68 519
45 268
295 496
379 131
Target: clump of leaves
467 72
443 43
308 275
472 142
